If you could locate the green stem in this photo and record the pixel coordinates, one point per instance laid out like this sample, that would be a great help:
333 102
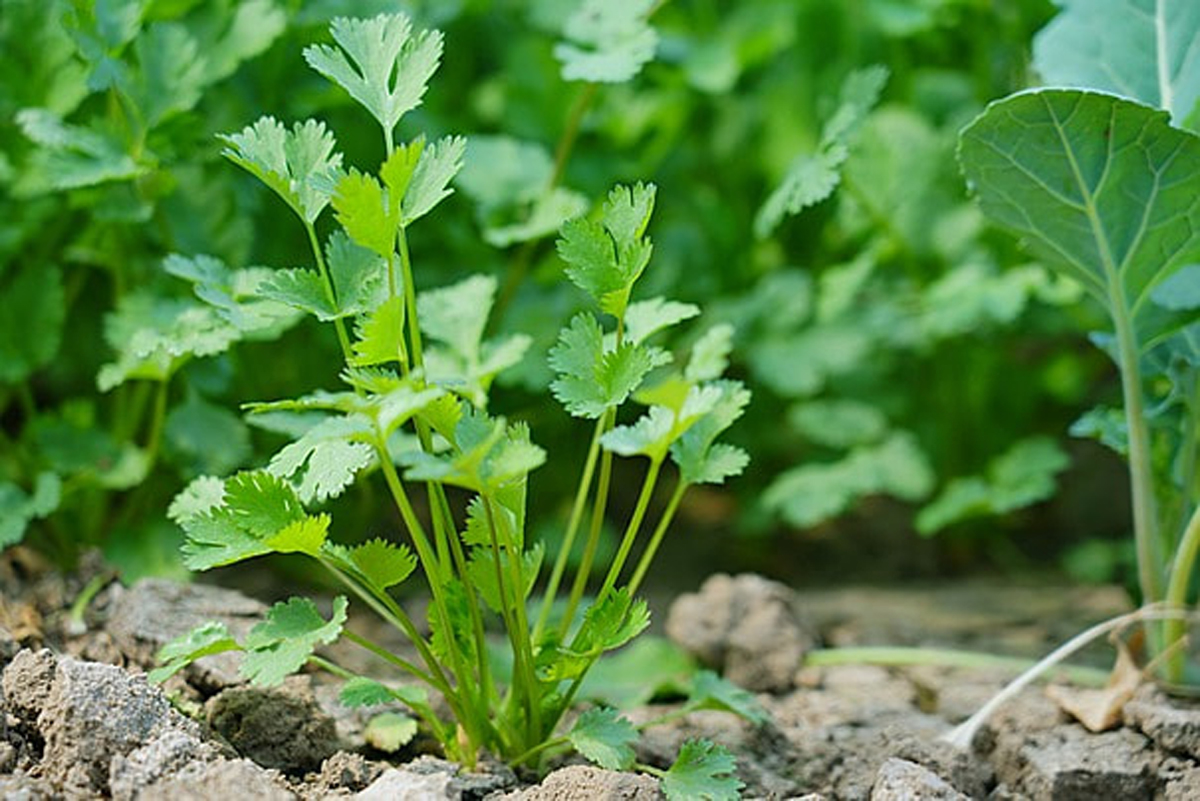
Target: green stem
660 530
410 300
330 290
631 530
897 656
392 659
1177 589
568 542
599 506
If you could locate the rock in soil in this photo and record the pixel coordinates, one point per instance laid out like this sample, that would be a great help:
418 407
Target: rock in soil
746 627
579 782
901 780
221 779
1174 728
280 727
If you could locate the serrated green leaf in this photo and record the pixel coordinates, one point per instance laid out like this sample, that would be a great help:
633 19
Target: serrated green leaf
330 454
384 564
702 771
457 314
608 623
363 210
592 378
651 435
361 691
1142 49
282 643
607 41
382 63
381 335
455 635
699 460
299 165
1101 188
234 294
645 318
605 257
205 640
201 495
390 731
439 163
481 571
648 667
710 691
32 323
261 503
605 738
305 536
171 72
214 539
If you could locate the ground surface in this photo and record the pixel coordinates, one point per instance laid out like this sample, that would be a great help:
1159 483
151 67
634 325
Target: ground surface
77 719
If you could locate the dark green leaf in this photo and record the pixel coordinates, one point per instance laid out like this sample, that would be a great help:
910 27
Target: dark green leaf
283 642
604 738
702 771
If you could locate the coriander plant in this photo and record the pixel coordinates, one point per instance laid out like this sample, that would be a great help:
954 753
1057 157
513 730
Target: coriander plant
1103 184
417 371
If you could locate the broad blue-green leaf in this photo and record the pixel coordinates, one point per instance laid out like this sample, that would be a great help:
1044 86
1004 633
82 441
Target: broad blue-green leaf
439 163
1102 188
1180 291
811 493
381 62
1142 49
204 640
32 322
592 379
812 177
1022 475
607 41
299 165
605 738
283 642
702 771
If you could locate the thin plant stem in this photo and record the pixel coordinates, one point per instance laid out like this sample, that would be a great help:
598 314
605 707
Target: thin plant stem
599 506
664 522
330 291
632 529
1177 588
568 542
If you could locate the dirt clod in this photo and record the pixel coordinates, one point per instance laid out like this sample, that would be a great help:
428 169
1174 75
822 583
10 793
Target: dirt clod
578 782
746 627
224 778
280 728
900 780
1173 728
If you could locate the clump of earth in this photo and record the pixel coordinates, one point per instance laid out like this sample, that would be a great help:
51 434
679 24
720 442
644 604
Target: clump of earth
79 720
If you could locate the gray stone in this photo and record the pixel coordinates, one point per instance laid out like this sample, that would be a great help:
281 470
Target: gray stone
1172 728
588 783
153 612
901 780
20 787
280 727
95 712
27 681
404 785
166 754
222 779
746 626
1070 764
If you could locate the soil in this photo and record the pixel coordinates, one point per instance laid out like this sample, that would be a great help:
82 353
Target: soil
78 719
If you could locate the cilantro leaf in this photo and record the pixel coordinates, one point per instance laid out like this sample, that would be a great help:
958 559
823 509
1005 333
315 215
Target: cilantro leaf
283 642
305 536
383 564
438 164
710 355
455 635
365 213
481 571
608 41
650 436
361 691
214 539
647 317
261 503
299 165
591 378
699 460
381 335
390 731
234 294
71 156
710 691
604 738
608 623
202 495
702 771
330 455
204 640
605 257
382 63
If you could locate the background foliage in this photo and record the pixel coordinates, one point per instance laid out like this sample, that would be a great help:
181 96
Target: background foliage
907 380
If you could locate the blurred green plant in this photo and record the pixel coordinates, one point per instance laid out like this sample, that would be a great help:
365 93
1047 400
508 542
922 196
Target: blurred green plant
1102 183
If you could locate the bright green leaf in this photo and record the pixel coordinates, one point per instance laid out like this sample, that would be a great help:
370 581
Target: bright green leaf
363 211
305 536
71 156
262 503
605 738
330 455
607 41
384 564
592 379
205 640
438 164
283 642
381 335
202 495
702 771
645 318
382 63
710 354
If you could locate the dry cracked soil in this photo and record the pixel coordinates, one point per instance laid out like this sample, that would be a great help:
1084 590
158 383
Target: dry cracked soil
78 719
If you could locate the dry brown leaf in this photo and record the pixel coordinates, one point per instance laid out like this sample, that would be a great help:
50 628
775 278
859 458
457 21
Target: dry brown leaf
1100 710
